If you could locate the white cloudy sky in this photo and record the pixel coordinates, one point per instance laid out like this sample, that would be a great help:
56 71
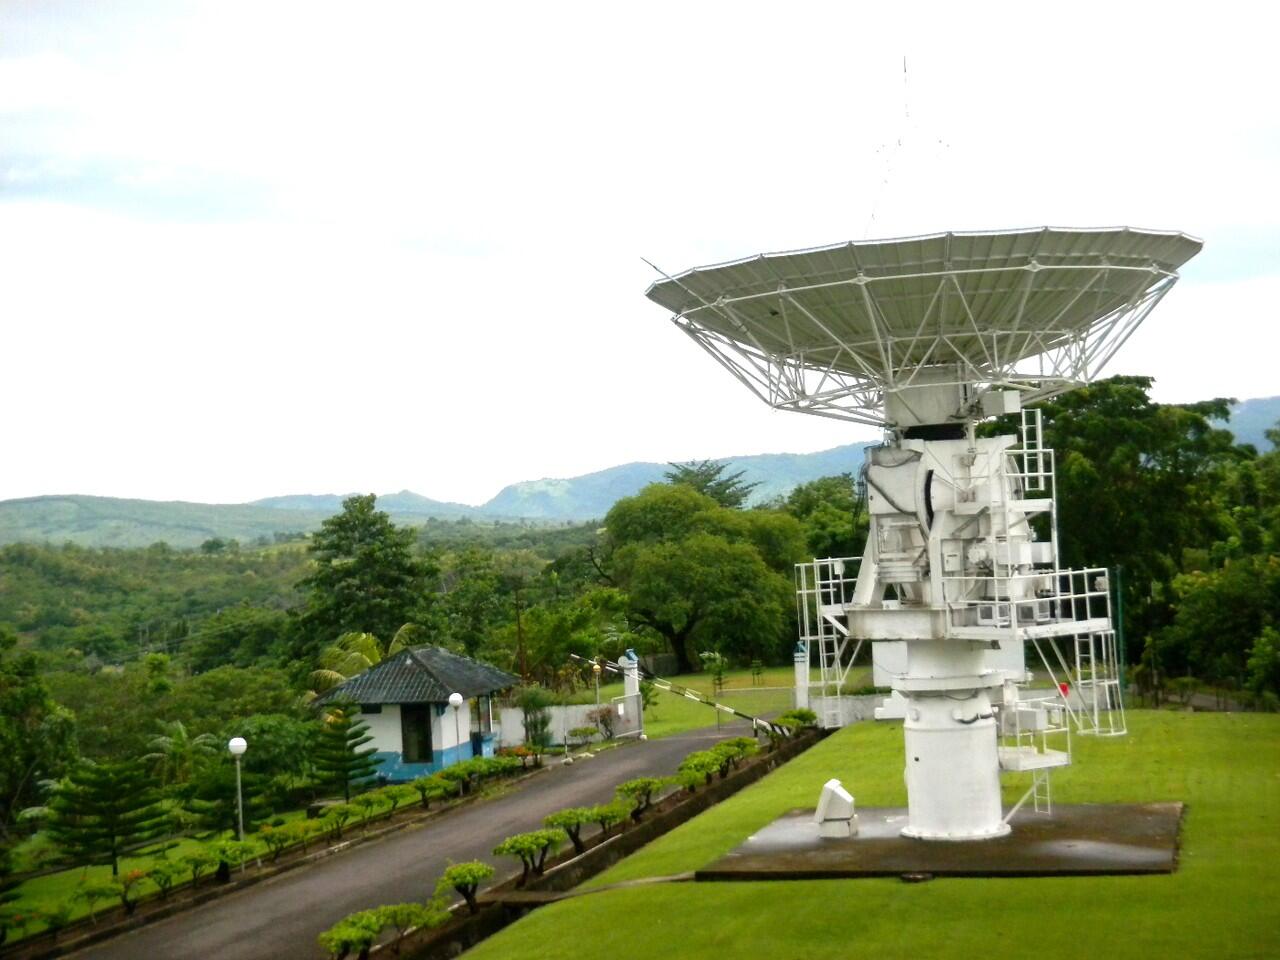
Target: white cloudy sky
253 248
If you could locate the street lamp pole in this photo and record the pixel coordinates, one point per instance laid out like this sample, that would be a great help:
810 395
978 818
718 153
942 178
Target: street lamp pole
455 701
237 746
595 669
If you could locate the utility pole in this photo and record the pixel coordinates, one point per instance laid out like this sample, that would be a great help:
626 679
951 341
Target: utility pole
524 663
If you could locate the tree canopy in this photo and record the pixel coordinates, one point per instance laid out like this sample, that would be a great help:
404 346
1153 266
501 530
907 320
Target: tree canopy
37 737
701 576
708 478
367 578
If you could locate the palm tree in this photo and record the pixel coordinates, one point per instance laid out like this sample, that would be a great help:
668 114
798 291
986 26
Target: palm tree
175 752
354 653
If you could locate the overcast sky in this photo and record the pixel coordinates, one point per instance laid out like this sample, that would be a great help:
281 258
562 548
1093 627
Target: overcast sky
252 249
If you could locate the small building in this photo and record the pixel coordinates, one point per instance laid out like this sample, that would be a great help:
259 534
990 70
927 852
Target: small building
405 701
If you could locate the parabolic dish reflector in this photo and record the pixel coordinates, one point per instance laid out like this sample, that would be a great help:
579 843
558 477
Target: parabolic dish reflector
830 329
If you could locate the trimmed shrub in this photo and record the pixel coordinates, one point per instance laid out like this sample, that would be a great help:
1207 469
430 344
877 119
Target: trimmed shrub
465 879
57 917
430 788
397 795
531 848
336 817
800 717
733 752
356 932
164 875
403 917
638 793
571 821
366 802
94 893
698 767
199 862
608 815
127 888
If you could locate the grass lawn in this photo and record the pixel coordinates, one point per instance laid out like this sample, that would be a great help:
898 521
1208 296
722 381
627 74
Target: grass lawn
1221 903
672 714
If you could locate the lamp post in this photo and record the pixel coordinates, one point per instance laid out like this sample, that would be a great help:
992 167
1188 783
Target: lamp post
455 701
595 669
237 746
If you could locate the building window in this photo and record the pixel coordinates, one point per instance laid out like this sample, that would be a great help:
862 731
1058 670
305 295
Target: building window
370 708
415 733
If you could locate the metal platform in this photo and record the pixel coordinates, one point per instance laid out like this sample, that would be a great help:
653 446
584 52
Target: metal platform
1075 840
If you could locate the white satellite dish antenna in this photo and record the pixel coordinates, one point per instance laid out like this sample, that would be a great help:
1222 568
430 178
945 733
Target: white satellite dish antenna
925 336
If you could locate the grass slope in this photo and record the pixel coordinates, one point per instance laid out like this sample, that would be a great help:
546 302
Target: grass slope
1220 903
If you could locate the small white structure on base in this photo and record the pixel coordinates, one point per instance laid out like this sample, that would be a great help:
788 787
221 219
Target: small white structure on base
835 815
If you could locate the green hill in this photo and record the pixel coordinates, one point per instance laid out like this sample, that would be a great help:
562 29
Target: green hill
112 522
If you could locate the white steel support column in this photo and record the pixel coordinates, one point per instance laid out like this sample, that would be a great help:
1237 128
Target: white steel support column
952 766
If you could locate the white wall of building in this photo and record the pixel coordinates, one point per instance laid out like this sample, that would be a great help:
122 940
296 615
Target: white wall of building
384 727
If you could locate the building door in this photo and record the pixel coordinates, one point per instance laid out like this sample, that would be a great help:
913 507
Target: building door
415 732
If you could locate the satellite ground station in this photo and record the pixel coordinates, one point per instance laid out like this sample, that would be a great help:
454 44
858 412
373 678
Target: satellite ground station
960 580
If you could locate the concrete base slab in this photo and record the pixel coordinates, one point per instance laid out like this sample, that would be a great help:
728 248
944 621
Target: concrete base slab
1080 840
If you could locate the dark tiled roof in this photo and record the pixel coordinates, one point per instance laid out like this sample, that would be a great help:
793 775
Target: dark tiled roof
422 675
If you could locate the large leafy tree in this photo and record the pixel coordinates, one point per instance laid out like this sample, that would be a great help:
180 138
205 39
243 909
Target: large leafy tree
1152 471
835 524
367 578
705 592
100 810
708 478
701 576
472 604
37 737
1220 625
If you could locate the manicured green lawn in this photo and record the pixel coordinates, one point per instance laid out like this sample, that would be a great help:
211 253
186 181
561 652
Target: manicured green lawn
1221 903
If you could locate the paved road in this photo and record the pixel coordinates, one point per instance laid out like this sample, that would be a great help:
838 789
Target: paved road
281 917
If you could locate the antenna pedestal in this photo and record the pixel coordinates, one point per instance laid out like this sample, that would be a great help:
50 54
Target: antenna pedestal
952 767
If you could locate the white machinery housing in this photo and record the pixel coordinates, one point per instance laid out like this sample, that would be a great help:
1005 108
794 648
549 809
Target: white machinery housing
925 337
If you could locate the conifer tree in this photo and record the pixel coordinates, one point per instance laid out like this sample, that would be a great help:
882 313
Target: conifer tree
102 809
211 800
341 756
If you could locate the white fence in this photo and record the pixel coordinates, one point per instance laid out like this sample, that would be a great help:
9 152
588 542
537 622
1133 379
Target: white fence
625 710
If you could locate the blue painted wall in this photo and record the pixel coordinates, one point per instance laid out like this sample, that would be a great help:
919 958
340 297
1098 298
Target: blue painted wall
394 770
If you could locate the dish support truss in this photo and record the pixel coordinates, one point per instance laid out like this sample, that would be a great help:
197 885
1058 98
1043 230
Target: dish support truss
998 593
856 374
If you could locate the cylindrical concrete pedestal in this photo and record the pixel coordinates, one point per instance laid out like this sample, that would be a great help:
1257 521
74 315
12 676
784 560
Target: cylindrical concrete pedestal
953 768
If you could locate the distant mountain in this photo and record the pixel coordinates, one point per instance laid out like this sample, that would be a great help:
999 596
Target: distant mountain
590 496
405 502
1251 420
110 522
